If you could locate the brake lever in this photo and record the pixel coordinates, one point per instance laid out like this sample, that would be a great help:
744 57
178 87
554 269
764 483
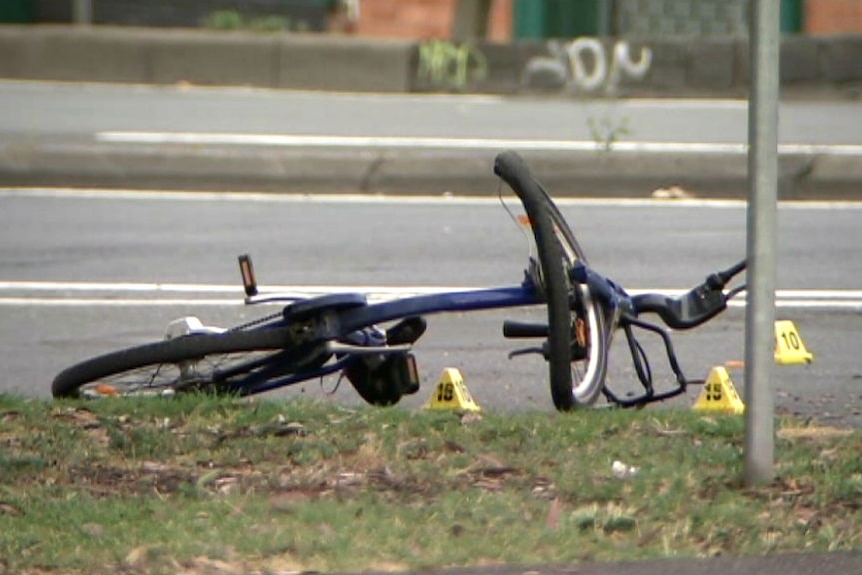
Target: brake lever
577 353
528 351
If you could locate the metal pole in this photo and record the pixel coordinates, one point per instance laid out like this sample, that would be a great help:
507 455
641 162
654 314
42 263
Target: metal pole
83 12
761 241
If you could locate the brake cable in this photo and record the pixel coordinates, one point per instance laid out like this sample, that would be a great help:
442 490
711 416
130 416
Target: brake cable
514 219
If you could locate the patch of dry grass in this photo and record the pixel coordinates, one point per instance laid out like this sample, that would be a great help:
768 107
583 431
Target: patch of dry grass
204 485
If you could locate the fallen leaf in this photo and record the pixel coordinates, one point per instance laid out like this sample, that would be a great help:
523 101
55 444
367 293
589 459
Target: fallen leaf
288 500
7 508
137 556
153 467
805 515
207 565
470 417
672 193
93 529
552 521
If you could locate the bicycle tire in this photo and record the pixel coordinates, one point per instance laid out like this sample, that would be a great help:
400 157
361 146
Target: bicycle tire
105 369
558 251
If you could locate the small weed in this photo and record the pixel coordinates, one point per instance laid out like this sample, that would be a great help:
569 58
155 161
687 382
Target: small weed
233 20
607 132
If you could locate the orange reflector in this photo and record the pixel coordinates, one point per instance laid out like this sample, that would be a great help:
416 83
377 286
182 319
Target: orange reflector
581 333
412 369
103 389
524 220
249 283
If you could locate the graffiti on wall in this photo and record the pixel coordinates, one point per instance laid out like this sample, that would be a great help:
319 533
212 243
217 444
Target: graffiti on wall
450 66
584 65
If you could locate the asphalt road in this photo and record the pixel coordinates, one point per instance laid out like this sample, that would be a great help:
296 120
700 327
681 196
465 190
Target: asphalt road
113 248
83 109
176 137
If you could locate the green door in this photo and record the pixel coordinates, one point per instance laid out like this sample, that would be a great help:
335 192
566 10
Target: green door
791 16
539 19
16 11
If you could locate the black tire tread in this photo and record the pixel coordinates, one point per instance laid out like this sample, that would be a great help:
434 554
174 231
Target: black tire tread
68 381
544 216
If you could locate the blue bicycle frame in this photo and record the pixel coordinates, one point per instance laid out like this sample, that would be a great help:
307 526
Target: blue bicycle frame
348 315
338 332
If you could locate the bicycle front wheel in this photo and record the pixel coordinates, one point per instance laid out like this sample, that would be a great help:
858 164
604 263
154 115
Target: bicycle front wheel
577 337
203 362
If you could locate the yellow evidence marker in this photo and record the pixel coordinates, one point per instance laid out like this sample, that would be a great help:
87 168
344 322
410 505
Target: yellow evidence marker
452 393
719 395
789 349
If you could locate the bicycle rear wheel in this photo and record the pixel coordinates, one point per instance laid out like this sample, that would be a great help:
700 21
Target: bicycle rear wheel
577 337
200 362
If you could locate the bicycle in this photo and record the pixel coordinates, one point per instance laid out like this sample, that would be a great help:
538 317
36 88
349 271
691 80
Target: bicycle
341 332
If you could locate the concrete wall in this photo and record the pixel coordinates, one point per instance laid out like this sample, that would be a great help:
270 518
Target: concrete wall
151 56
582 67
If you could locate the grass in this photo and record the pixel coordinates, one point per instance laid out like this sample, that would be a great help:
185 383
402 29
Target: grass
200 484
233 20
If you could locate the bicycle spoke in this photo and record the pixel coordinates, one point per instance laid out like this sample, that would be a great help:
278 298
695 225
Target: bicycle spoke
165 378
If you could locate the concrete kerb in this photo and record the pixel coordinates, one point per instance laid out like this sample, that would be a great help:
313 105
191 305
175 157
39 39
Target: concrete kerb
84 163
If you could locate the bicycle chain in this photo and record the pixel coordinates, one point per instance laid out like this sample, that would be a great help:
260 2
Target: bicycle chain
256 322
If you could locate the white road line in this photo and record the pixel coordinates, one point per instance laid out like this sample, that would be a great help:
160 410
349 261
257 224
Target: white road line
855 305
445 199
117 286
422 142
303 290
96 302
26 293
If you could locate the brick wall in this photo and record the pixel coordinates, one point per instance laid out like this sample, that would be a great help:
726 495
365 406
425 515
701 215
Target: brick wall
413 19
420 19
833 16
423 19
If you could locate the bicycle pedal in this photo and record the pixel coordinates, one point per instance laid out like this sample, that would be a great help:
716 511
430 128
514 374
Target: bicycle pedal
385 383
406 331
